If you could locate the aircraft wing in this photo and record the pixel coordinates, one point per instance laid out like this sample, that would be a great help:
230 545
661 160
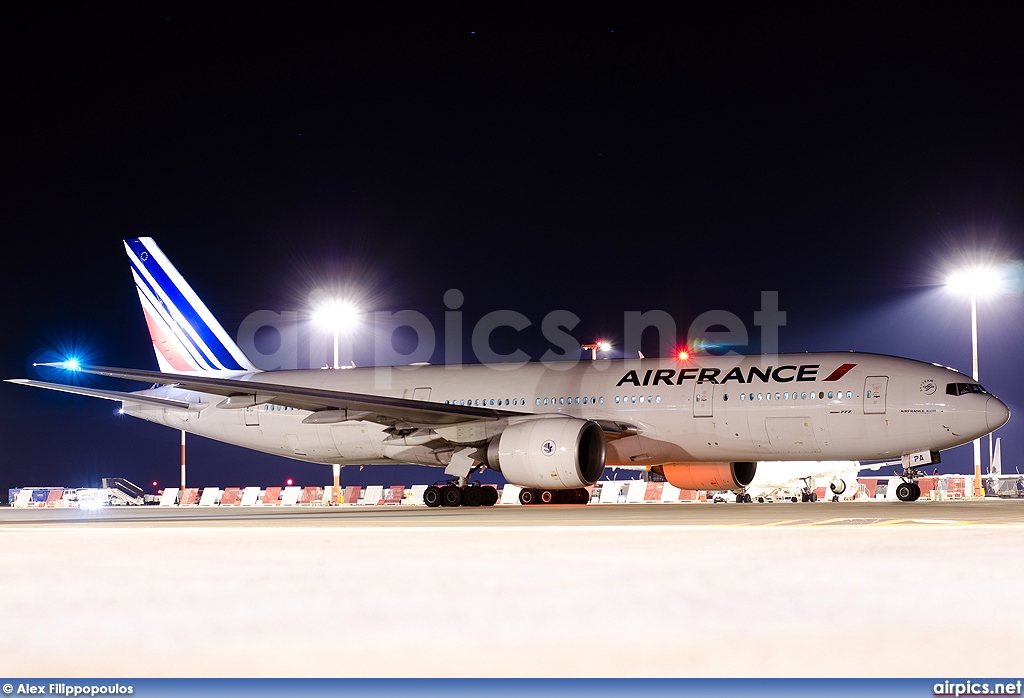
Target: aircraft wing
108 394
372 408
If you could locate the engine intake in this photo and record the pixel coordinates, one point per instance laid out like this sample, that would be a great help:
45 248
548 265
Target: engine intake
708 476
554 453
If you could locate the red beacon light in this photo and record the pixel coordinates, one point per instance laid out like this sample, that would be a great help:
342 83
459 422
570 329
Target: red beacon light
289 482
683 355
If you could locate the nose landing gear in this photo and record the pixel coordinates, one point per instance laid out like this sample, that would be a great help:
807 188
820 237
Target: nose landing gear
909 490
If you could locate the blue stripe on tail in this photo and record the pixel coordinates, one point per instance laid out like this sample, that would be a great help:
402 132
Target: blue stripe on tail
167 288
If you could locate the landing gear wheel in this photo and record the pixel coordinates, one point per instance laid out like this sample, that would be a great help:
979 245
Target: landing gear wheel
917 491
490 496
812 497
584 497
905 492
473 496
432 496
568 496
527 496
451 496
747 499
546 497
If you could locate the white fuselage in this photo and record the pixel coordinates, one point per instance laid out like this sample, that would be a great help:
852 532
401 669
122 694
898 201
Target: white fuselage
810 407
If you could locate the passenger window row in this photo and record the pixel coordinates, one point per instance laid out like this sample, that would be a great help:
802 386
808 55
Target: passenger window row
656 399
488 403
571 401
838 395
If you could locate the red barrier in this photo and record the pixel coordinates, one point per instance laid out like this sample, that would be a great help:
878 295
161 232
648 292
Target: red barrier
393 495
653 493
53 496
870 484
687 495
272 496
189 496
351 495
311 494
956 489
927 484
232 497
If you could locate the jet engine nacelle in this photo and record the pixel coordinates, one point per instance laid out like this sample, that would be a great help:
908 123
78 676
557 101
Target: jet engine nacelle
555 453
708 476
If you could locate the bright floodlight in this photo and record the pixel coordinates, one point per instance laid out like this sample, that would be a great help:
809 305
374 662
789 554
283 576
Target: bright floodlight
604 346
336 315
72 365
976 280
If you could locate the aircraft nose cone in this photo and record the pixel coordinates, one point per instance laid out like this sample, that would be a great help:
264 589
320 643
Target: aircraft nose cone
996 413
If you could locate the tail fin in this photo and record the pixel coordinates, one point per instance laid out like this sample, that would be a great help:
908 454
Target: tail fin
186 337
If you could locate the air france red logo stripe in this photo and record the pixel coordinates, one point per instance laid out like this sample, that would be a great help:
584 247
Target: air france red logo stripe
840 372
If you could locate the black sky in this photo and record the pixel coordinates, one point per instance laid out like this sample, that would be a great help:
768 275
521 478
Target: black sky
588 157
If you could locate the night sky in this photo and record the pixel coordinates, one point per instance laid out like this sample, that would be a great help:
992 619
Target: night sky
589 158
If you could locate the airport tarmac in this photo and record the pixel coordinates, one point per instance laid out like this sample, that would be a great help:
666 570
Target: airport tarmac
847 589
964 512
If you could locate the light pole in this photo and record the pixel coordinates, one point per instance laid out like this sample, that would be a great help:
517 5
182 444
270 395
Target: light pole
599 344
336 315
976 281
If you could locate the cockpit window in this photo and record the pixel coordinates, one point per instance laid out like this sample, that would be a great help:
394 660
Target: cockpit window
964 388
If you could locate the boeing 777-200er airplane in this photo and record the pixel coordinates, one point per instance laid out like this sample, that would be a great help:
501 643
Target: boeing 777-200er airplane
703 423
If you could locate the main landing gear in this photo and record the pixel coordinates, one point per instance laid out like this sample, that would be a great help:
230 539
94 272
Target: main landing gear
532 496
909 490
451 495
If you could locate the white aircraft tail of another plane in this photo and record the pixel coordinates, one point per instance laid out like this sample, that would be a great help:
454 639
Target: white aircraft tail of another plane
186 336
996 465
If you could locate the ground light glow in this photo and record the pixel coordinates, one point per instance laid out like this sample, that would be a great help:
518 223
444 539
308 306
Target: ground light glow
336 315
594 347
980 280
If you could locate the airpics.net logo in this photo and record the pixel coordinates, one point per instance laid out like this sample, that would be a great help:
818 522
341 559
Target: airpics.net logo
977 688
290 339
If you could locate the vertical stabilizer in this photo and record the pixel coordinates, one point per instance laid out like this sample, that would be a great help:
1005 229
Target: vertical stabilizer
186 337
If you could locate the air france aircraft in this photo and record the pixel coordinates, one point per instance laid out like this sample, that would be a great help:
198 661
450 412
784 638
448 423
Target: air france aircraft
703 423
789 479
